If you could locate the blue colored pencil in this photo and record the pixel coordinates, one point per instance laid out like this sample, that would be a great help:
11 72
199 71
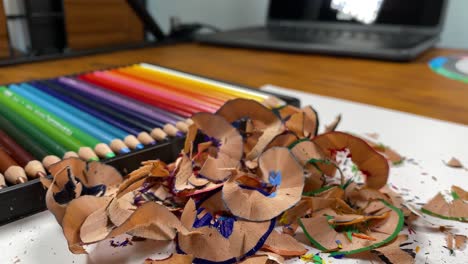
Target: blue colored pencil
86 105
115 113
122 110
77 112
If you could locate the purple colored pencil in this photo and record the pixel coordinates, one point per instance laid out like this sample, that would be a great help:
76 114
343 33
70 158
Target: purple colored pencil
124 113
122 101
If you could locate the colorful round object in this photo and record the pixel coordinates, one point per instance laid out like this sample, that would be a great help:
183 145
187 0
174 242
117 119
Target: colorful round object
453 67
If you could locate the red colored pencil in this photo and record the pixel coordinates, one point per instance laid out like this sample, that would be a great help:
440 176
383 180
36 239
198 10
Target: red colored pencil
193 98
18 153
105 84
163 94
144 90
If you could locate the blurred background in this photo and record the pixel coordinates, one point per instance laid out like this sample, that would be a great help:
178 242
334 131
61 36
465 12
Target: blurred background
41 27
227 14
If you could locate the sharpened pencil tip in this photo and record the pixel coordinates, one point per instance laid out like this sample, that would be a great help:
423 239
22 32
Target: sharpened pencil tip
125 150
110 155
139 146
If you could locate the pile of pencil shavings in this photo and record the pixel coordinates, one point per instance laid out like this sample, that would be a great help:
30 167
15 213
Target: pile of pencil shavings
254 179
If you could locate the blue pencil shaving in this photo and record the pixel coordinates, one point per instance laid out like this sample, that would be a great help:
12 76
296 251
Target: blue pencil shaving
275 178
216 142
224 224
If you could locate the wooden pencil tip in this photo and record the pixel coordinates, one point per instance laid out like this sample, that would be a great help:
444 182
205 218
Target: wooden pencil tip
158 134
2 181
49 160
145 138
15 175
170 130
182 126
70 154
119 146
21 180
86 153
34 169
104 151
189 121
132 142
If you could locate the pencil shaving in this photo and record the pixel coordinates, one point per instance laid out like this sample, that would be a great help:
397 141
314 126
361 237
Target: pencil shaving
332 126
454 163
173 259
241 172
451 206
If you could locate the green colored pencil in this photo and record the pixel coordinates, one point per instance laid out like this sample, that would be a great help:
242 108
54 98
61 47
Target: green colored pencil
27 136
65 134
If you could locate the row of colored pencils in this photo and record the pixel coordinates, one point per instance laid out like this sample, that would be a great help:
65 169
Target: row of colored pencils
101 114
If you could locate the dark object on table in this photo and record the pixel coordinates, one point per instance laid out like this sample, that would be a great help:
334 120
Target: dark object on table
384 29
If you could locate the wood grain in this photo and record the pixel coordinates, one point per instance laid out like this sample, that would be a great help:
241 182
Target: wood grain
4 47
410 87
100 23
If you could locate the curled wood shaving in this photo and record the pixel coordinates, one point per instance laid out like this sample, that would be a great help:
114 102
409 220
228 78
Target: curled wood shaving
393 253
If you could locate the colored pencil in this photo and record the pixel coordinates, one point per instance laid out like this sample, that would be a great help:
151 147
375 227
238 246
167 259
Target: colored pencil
39 120
138 72
70 154
129 114
81 125
112 130
2 181
163 96
34 169
32 139
102 104
21 156
137 94
8 166
197 82
190 94
49 161
124 109
6 161
83 121
67 135
89 106
115 99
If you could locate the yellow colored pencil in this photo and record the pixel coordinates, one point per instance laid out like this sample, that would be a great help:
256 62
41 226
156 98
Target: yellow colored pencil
206 84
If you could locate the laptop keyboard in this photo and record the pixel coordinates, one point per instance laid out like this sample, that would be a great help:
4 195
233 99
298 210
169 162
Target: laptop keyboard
372 39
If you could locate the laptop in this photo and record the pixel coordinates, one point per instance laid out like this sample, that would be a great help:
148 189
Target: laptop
398 30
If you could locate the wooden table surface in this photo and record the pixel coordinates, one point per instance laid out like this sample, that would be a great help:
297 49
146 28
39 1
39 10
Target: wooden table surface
410 87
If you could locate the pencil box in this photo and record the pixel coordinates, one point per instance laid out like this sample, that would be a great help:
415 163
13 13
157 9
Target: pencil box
28 198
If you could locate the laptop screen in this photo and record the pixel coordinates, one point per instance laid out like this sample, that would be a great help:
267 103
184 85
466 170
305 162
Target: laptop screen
425 13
